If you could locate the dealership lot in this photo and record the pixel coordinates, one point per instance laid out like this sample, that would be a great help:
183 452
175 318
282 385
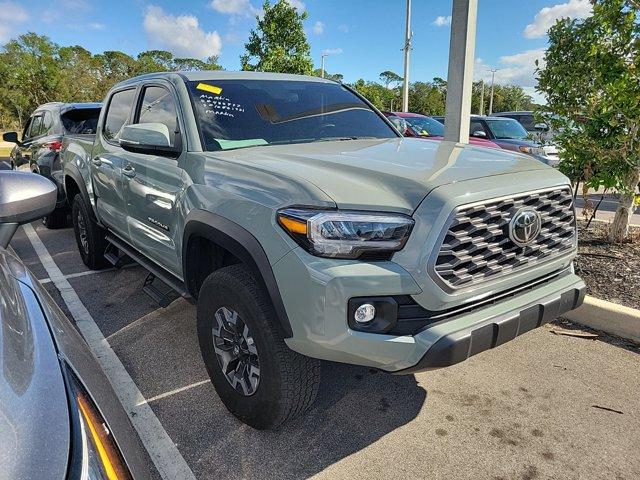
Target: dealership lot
542 406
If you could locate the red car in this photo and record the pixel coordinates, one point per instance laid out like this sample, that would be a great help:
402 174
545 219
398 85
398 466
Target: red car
421 126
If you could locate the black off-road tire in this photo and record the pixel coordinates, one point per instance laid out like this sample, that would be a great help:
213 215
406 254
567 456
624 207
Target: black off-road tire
57 219
90 237
288 381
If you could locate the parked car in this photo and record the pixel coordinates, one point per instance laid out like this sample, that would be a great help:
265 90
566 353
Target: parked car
59 417
42 137
306 228
508 134
540 131
421 126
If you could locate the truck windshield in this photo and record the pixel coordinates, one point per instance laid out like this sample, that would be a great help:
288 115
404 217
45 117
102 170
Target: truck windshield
507 129
245 113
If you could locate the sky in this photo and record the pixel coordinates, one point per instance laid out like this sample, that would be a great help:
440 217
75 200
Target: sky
361 37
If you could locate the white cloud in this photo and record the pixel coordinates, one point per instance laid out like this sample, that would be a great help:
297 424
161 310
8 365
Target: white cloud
234 7
97 26
297 4
180 34
10 14
442 21
332 51
546 17
318 28
517 69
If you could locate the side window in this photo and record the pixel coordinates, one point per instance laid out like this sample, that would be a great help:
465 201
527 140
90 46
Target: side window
27 128
118 113
528 122
36 127
158 107
475 126
47 123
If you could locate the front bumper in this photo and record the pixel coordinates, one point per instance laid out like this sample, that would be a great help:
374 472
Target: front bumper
457 346
316 291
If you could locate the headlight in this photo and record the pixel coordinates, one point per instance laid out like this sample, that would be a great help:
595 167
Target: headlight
344 234
95 455
531 150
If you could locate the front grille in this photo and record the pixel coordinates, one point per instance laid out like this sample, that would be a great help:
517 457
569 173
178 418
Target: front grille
477 247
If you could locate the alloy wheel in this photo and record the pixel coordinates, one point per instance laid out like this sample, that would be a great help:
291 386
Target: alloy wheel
82 233
236 351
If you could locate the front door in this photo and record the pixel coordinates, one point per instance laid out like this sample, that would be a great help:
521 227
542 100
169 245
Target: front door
153 184
107 162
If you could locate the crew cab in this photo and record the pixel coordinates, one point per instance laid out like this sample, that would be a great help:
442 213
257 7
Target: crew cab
39 149
307 228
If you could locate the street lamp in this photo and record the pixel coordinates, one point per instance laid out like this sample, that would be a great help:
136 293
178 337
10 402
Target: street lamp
324 55
407 49
493 76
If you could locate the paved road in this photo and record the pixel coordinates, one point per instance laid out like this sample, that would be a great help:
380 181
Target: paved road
526 410
607 209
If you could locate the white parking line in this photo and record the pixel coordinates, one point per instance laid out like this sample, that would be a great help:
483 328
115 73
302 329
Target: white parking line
89 272
163 452
173 392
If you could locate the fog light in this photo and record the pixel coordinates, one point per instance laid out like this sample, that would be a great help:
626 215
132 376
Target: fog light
365 313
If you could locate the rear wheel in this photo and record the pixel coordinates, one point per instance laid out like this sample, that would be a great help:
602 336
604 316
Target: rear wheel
258 378
90 237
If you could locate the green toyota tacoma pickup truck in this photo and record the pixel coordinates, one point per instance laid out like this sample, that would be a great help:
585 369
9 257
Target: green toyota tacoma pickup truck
308 229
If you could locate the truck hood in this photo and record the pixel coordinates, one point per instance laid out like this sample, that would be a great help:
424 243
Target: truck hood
381 174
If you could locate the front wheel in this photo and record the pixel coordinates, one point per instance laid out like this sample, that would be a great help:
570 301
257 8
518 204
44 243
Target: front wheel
90 237
258 378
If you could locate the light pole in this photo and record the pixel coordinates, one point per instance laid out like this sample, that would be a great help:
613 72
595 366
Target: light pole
407 49
481 97
324 55
493 76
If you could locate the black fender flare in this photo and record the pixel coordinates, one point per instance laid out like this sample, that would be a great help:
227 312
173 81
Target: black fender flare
243 245
73 172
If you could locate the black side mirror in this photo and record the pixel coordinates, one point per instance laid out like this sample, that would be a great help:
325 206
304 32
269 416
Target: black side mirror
11 137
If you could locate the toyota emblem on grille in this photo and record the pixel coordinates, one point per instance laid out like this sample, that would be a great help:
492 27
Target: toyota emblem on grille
525 226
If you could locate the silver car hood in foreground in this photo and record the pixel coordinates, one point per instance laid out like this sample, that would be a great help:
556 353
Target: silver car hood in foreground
385 174
34 416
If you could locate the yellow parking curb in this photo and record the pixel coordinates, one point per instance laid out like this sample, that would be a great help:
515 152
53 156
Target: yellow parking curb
608 317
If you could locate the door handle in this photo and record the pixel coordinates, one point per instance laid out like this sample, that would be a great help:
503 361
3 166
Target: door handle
97 161
129 171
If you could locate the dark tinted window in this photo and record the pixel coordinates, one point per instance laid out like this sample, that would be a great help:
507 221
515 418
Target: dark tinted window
528 122
244 113
80 120
477 126
118 113
25 132
158 107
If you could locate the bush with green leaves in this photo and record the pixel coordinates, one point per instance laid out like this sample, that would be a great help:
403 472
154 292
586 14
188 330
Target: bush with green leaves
591 79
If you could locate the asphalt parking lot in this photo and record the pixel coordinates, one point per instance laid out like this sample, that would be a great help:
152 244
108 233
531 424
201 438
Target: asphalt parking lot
541 406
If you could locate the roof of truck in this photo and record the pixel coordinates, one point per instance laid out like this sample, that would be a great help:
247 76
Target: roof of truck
210 75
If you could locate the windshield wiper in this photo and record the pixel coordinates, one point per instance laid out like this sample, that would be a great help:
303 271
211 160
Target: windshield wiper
343 139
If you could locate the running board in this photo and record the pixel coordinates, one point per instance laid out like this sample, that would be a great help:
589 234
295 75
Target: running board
117 257
162 296
174 283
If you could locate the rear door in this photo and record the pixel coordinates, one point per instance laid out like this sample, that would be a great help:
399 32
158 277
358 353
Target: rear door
45 146
154 182
107 162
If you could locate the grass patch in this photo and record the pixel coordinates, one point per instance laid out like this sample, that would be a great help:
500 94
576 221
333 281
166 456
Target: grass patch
5 151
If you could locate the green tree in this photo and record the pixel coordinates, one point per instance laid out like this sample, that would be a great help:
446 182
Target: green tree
427 98
388 77
591 79
30 75
380 96
278 44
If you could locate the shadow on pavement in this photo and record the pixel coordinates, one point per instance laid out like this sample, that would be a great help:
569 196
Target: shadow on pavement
355 408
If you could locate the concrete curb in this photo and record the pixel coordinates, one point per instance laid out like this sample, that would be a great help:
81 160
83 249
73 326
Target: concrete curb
608 317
